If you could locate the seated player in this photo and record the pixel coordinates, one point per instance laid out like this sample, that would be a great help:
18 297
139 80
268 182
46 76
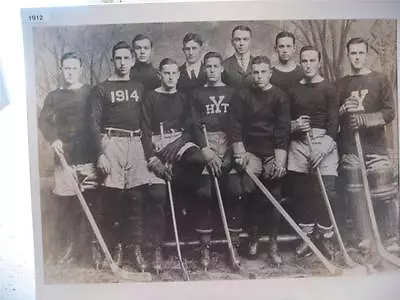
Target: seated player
314 111
210 105
167 106
259 132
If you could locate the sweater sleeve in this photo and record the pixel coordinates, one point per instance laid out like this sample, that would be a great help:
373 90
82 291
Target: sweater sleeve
145 124
47 120
198 135
236 118
96 116
282 127
333 113
386 96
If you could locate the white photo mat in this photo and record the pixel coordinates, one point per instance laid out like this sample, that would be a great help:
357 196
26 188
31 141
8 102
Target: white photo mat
356 287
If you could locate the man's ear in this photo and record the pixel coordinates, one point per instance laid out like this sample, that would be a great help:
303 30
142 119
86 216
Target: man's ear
159 74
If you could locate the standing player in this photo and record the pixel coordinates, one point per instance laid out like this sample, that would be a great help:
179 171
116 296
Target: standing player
63 123
259 131
237 68
143 71
369 90
116 110
211 106
192 71
314 111
167 106
287 73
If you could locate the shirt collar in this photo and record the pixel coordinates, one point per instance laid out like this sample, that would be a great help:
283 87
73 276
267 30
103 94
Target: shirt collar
195 67
246 58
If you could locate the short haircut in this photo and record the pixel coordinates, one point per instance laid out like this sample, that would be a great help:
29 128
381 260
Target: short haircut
261 59
141 37
166 61
70 55
121 45
241 28
285 34
212 54
192 36
310 48
356 40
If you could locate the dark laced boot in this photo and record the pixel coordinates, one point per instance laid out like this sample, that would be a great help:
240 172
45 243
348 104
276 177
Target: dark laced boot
157 260
205 250
303 250
235 258
138 258
118 254
273 252
323 238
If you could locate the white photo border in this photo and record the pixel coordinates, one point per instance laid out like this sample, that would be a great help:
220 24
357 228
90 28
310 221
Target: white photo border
356 287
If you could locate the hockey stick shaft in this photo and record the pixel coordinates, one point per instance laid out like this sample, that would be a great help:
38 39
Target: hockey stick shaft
221 207
381 249
329 266
114 267
346 256
172 206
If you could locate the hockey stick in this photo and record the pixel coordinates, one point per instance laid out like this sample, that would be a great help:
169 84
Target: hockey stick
347 259
117 271
235 265
383 253
174 223
334 270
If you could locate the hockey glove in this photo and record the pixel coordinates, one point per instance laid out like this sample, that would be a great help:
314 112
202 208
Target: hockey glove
169 152
214 163
350 106
156 166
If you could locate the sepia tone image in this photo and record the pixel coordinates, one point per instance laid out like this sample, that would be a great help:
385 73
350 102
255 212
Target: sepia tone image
217 150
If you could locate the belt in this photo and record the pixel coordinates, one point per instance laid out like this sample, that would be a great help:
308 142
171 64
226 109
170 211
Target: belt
122 132
169 132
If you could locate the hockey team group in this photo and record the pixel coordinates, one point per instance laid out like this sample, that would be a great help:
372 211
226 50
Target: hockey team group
231 133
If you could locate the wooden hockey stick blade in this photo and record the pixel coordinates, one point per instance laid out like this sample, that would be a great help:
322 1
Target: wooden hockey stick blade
383 253
117 271
346 257
334 270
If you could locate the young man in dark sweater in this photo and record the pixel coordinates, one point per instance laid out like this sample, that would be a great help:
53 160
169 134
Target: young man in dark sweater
63 123
259 132
210 105
143 70
287 72
167 106
367 106
314 111
115 119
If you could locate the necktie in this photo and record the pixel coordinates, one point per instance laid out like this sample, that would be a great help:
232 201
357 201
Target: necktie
192 74
242 63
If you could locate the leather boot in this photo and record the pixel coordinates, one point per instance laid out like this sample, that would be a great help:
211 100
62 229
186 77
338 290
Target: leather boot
205 250
253 243
323 237
303 250
157 260
138 258
273 252
118 254
97 256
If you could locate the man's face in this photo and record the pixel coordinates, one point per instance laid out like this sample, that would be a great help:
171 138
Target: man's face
142 49
285 49
357 55
169 75
192 51
71 70
123 61
241 41
213 67
310 63
261 74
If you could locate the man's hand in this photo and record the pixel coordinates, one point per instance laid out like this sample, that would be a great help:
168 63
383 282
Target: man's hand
104 164
301 124
57 147
315 158
214 162
169 152
280 162
241 160
156 166
350 106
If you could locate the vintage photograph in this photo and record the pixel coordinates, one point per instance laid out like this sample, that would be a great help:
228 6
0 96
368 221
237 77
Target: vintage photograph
221 150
